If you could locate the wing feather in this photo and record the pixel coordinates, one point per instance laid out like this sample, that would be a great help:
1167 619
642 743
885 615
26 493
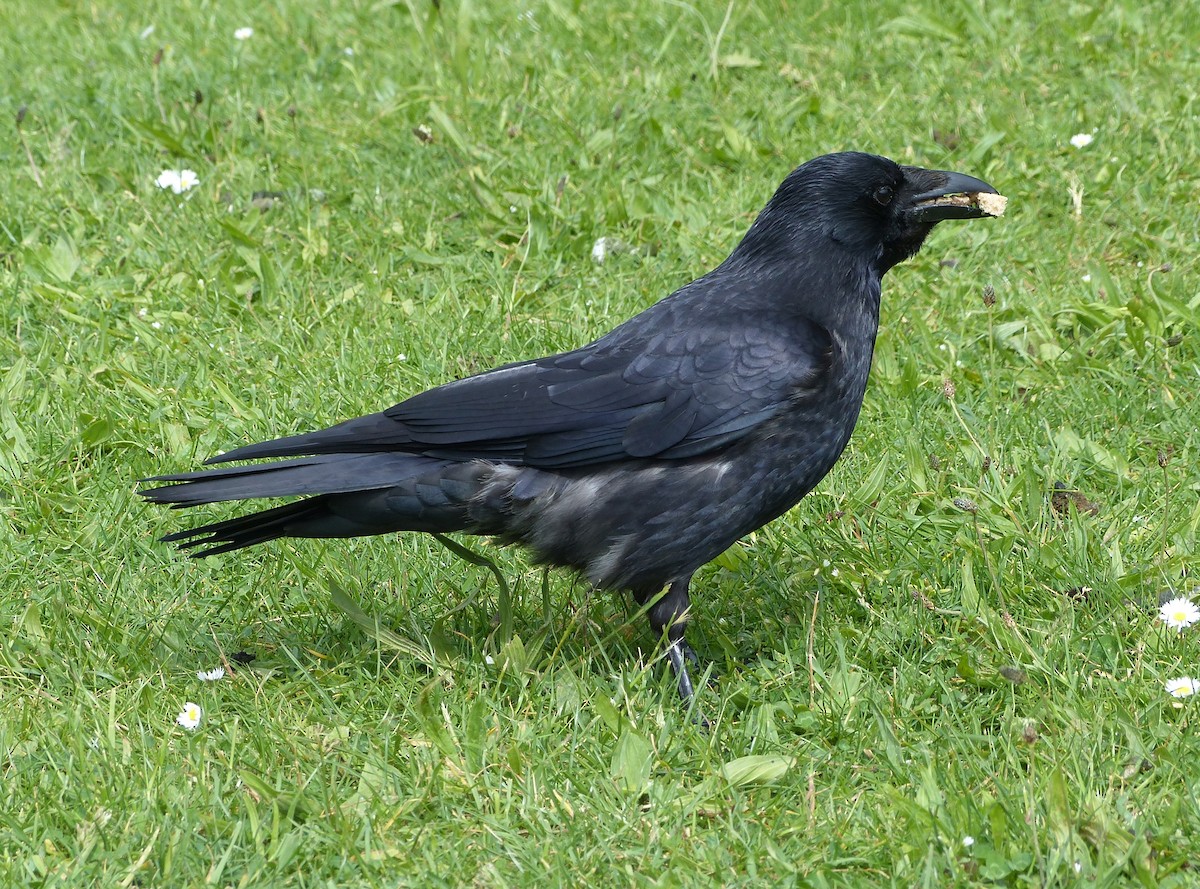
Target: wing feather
678 393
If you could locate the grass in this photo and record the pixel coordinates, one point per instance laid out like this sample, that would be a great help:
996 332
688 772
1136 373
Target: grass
937 644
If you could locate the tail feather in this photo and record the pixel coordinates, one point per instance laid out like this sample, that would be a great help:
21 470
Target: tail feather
329 474
349 495
248 530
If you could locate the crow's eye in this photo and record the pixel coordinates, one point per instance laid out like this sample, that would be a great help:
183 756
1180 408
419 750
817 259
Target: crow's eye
883 195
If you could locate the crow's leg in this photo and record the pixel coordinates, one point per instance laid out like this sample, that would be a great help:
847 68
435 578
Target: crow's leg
669 615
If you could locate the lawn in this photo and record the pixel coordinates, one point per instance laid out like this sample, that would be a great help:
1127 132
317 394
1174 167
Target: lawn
945 667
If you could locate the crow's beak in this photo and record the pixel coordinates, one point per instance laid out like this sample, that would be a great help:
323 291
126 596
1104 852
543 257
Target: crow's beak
944 195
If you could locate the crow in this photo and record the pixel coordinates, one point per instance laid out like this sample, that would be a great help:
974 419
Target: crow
643 455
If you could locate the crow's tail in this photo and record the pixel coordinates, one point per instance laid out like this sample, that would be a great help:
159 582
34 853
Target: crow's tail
355 495
327 474
258 527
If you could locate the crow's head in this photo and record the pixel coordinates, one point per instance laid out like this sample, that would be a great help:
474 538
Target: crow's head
864 206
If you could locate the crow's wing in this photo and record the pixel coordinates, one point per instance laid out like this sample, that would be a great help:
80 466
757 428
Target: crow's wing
672 395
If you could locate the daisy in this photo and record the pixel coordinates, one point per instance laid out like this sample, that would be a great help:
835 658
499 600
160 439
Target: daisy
178 181
189 717
1180 613
1082 140
1183 687
168 179
211 675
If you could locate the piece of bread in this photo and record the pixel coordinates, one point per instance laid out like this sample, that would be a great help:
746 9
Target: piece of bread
986 203
991 204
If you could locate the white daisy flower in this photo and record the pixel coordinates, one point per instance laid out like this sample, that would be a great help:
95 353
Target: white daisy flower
243 33
189 717
1082 140
178 181
168 179
1183 687
211 675
1180 613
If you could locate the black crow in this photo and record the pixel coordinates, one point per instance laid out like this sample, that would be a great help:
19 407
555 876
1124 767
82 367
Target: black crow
639 457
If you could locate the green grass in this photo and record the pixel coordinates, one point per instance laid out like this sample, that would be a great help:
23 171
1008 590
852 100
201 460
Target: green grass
910 672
